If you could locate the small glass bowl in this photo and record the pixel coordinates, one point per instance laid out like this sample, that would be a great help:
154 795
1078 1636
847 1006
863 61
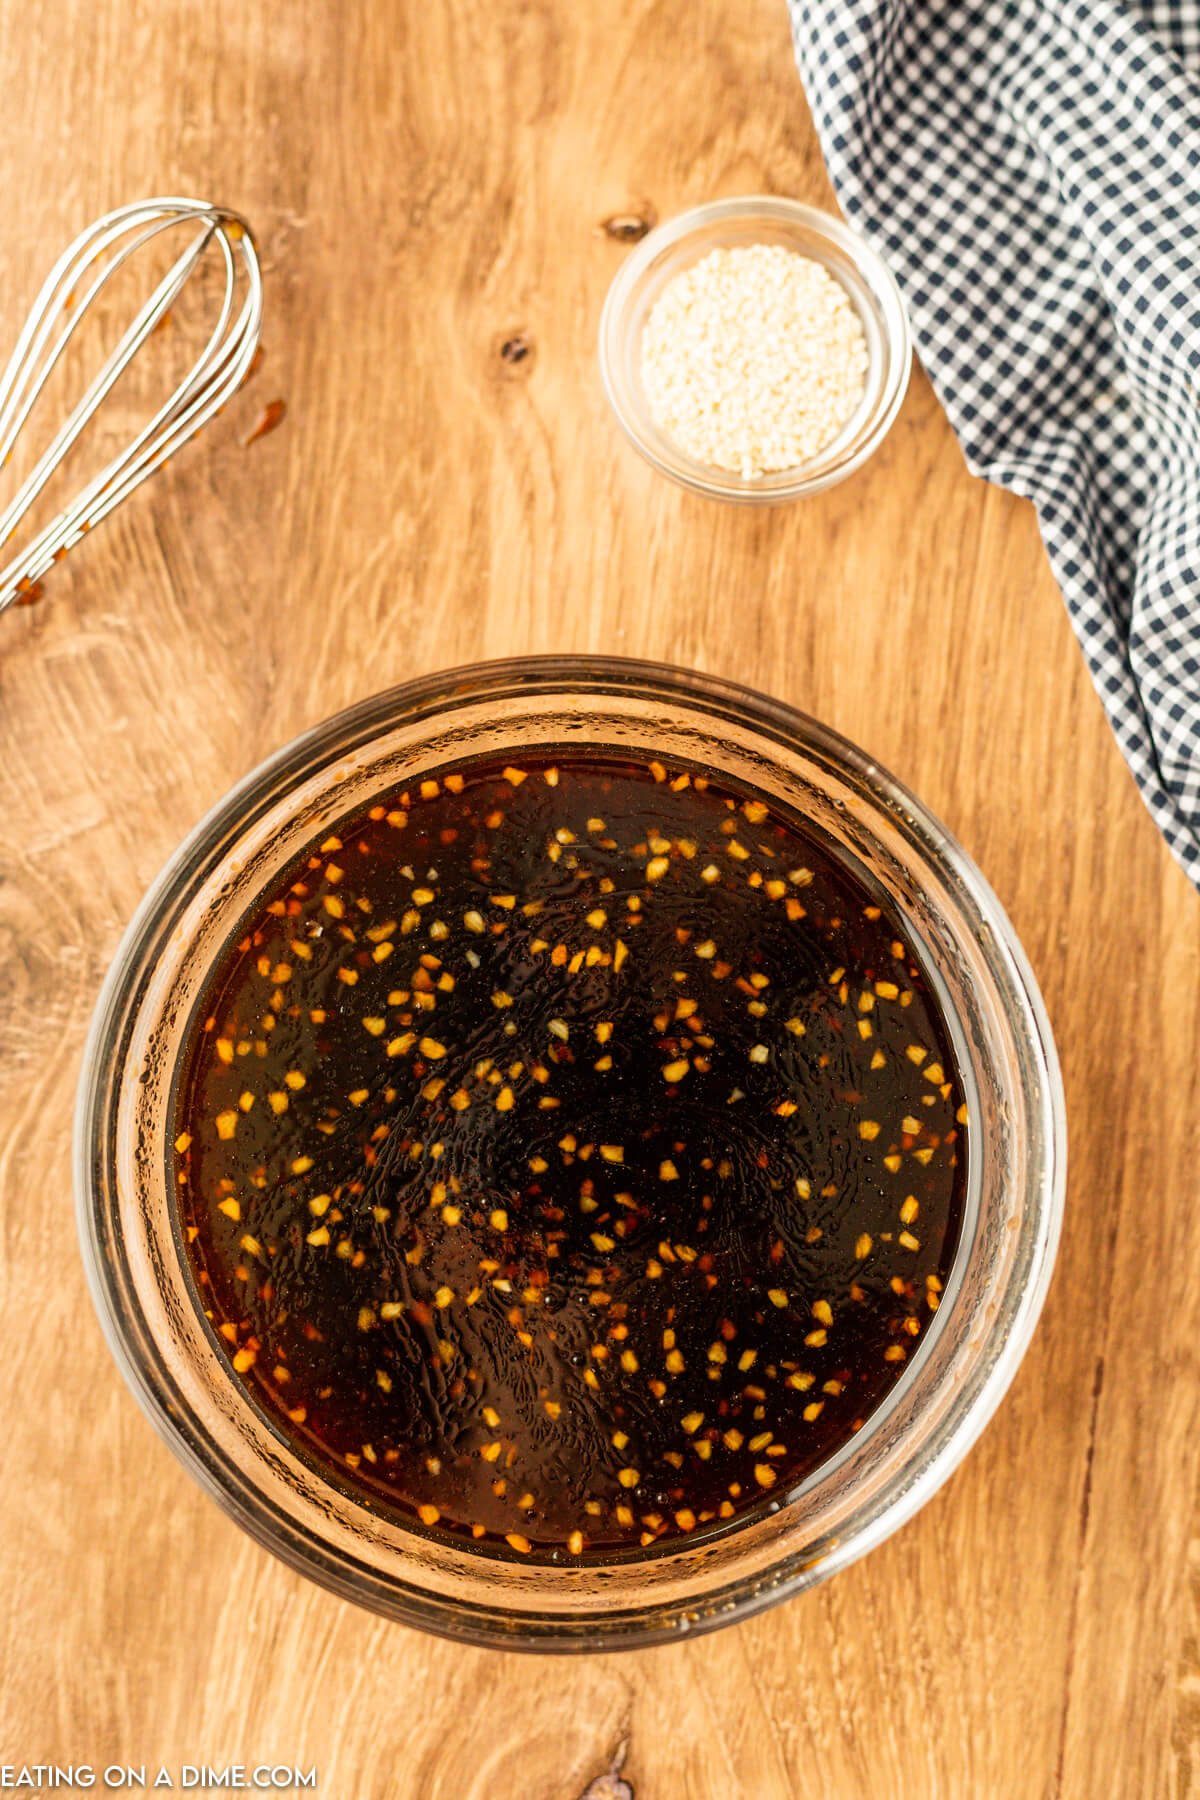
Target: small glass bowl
129 1227
727 224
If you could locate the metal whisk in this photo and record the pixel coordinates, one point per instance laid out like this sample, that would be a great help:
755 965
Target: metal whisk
74 283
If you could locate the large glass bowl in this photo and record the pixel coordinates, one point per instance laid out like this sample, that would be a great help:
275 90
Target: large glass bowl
1015 1162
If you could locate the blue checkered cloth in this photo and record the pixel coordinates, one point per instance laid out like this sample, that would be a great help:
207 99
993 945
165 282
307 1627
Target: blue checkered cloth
1030 169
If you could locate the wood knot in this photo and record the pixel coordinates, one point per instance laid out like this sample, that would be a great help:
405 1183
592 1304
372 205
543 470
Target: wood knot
609 1785
630 227
515 350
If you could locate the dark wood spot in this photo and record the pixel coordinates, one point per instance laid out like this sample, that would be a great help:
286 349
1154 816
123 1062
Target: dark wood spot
515 354
630 227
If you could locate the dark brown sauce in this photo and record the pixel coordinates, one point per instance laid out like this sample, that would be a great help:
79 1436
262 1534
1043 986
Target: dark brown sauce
570 1156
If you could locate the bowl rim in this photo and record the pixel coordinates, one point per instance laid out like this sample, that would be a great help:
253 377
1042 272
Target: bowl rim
699 222
153 921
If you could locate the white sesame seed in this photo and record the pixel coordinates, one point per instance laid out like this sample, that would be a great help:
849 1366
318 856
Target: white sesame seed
754 359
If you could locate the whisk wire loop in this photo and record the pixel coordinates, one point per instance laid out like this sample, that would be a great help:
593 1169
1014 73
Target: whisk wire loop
88 264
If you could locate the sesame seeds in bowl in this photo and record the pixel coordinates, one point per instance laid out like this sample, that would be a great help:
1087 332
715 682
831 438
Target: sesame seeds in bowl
755 349
754 359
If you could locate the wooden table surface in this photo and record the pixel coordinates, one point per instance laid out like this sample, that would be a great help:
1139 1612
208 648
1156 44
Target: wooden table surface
427 181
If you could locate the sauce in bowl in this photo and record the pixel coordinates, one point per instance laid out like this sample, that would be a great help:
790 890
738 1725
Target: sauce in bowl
569 1156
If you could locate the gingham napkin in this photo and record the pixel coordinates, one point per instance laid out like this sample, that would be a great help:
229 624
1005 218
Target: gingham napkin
1031 171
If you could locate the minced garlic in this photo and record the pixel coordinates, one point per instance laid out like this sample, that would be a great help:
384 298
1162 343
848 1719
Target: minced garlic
754 359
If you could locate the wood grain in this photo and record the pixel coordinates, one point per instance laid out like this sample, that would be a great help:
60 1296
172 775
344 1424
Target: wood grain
426 180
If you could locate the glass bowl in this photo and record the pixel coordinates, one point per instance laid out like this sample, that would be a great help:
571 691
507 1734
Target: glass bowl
950 1387
725 224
